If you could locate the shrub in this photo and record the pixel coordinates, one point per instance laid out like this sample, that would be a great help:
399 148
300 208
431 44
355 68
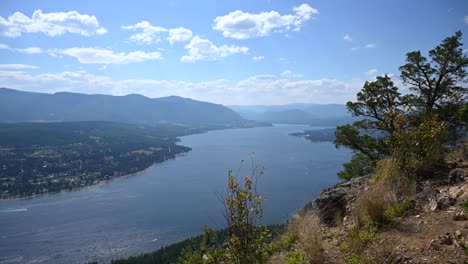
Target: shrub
398 209
419 147
297 257
359 236
247 236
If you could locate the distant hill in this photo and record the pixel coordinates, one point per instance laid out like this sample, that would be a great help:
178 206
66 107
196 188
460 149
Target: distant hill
310 114
19 106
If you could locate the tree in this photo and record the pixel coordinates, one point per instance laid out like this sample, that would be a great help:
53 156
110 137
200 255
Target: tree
437 83
437 102
378 101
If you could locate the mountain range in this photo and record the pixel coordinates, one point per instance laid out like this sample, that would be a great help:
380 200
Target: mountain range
308 114
20 106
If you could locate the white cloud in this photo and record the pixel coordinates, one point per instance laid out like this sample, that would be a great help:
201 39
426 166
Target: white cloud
348 38
203 49
260 89
368 46
466 19
30 50
243 25
106 56
179 34
50 24
5 46
92 55
303 13
18 66
291 74
150 34
258 58
371 72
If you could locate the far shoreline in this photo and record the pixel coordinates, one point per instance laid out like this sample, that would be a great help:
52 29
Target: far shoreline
101 182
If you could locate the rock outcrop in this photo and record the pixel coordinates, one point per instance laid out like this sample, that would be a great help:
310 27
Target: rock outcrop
334 202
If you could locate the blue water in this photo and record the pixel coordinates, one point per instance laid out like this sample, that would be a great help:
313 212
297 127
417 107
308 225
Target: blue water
169 201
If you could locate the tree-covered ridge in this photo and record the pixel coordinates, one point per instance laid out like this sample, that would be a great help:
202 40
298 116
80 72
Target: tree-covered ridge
38 158
19 106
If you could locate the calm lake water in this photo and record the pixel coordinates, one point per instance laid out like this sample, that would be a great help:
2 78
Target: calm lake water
169 201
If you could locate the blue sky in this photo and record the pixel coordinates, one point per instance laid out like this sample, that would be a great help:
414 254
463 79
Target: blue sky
229 52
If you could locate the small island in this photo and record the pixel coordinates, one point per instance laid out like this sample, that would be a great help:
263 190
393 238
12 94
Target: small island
38 158
321 135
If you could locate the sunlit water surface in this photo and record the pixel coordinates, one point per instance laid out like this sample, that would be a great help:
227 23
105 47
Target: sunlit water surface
169 201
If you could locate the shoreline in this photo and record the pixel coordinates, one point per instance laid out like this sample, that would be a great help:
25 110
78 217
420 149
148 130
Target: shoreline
101 182
178 139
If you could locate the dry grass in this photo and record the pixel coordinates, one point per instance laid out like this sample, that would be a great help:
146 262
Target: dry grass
388 186
306 228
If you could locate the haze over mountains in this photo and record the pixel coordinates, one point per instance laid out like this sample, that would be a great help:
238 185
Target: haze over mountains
309 114
19 106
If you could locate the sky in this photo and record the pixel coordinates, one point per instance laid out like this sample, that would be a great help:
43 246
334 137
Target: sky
243 52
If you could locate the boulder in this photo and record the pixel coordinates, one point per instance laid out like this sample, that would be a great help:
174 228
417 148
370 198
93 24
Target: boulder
425 196
445 201
330 205
456 175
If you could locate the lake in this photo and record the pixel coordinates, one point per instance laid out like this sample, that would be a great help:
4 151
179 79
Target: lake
169 201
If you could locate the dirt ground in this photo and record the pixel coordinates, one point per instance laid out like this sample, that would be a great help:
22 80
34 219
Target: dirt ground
426 234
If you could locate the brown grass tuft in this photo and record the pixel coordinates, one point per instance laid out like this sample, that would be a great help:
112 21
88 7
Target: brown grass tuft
388 186
306 228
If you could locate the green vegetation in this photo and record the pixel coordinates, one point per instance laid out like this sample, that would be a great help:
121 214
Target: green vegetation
48 157
321 135
175 253
402 138
359 235
247 237
171 253
364 233
399 209
296 257
360 165
416 125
